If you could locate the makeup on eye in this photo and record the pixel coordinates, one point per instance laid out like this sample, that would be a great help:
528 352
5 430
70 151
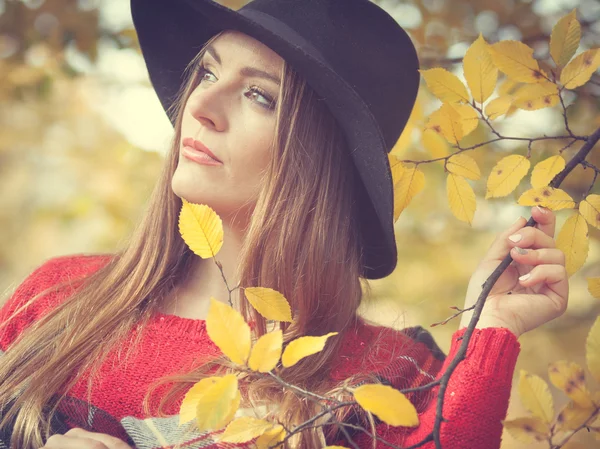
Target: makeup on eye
270 103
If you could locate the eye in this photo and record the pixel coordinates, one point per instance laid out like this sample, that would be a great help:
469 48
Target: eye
254 91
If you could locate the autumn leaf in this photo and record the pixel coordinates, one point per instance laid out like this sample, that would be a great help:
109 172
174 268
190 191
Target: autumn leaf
592 349
589 208
266 352
461 198
580 70
229 331
565 38
302 347
244 429
435 143
201 229
269 303
479 70
271 437
569 377
388 404
549 197
573 241
451 124
536 96
498 107
469 119
445 85
594 287
463 165
527 429
546 170
536 396
410 182
516 60
506 175
572 416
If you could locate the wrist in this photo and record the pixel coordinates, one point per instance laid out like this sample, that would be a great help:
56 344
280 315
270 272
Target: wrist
485 322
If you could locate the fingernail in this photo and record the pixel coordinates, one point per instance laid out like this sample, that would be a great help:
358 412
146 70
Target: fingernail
541 209
517 220
520 250
515 237
525 276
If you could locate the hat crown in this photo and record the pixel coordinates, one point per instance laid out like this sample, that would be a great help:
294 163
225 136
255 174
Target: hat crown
359 39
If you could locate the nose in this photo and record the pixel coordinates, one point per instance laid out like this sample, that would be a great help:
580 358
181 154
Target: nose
206 106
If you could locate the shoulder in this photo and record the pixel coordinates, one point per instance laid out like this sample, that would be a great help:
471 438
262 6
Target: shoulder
403 358
57 271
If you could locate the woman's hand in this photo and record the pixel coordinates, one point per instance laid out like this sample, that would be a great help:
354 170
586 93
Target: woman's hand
522 305
77 438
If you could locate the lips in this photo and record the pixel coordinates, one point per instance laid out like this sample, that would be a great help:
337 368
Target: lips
196 144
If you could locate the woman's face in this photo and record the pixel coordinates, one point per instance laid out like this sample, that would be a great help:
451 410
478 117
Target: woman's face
231 111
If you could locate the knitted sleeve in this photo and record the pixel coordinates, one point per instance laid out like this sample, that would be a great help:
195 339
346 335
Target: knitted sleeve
49 273
476 399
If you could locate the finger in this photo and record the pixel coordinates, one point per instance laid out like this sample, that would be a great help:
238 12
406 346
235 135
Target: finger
556 281
65 442
107 440
530 237
545 219
501 246
553 256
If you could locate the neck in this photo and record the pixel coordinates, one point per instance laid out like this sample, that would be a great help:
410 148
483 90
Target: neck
191 297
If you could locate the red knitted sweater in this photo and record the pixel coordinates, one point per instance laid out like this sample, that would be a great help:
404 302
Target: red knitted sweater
476 398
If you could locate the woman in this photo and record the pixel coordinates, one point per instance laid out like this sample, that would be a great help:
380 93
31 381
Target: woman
278 97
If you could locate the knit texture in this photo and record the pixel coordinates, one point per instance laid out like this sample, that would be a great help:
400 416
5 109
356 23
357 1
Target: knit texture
476 398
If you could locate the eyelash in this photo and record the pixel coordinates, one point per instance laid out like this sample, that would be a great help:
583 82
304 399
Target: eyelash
203 70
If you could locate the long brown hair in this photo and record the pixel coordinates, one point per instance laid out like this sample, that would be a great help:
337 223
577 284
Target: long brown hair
302 240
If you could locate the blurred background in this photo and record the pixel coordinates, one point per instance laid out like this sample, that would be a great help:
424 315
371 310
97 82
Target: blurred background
83 136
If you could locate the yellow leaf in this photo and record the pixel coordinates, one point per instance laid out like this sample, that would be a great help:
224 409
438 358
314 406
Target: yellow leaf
215 403
461 198
546 170
463 165
269 303
570 378
506 175
388 404
550 197
266 352
244 429
527 429
516 60
498 106
451 124
187 410
590 209
507 87
565 38
536 396
445 85
572 416
302 347
434 143
201 229
580 70
573 241
434 121
468 117
592 349
594 287
271 437
396 167
480 72
536 96
229 331
410 183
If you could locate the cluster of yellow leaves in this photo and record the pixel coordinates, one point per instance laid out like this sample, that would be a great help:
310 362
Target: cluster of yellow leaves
214 401
527 86
582 409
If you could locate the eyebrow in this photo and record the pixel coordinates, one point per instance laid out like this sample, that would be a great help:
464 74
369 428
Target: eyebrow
246 71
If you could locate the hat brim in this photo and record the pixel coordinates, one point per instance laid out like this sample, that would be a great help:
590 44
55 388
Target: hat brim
171 33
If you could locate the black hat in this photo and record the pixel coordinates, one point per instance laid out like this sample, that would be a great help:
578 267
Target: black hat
351 52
